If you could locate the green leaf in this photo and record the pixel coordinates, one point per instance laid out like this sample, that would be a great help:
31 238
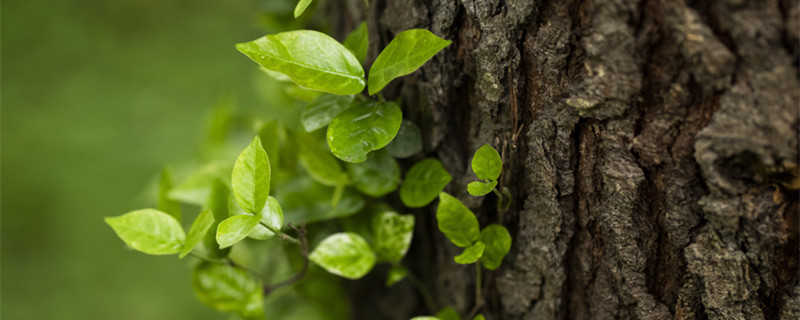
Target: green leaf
471 253
196 188
323 109
165 204
358 41
377 176
234 229
311 58
479 317
396 274
218 203
480 188
487 163
319 163
197 231
364 127
393 233
344 254
226 288
250 178
407 142
498 242
301 6
271 215
408 51
423 182
304 200
448 313
456 221
425 318
149 231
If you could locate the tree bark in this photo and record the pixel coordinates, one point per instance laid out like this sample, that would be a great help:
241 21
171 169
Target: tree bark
651 147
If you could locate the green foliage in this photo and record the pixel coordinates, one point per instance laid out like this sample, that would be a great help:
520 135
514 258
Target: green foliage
323 109
218 204
165 203
480 188
319 163
272 216
471 253
377 176
487 163
448 313
392 235
407 52
301 7
304 200
344 254
234 229
250 178
498 243
423 182
425 318
311 58
358 42
408 141
364 127
396 274
149 231
227 288
456 221
197 231
479 317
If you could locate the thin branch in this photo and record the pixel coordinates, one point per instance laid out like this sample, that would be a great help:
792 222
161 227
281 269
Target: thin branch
280 234
301 233
423 291
479 301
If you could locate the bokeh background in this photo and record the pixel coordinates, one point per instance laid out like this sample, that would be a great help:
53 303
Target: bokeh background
97 96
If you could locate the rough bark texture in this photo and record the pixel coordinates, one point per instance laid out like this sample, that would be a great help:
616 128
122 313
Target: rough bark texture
651 147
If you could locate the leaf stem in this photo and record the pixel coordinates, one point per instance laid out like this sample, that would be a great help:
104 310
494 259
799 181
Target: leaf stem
301 233
478 292
280 234
423 291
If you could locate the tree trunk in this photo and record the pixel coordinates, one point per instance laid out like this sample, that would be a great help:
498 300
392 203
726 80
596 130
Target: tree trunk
651 147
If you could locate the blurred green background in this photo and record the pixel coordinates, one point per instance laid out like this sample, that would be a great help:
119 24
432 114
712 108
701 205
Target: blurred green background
97 95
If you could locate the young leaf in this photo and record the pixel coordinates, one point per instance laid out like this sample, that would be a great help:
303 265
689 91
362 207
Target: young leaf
225 288
471 253
218 203
165 204
301 6
319 163
149 231
311 58
423 183
396 274
480 188
408 51
407 142
393 233
197 231
250 178
498 242
479 317
364 127
358 41
487 163
271 215
344 254
234 229
377 176
323 109
456 221
448 313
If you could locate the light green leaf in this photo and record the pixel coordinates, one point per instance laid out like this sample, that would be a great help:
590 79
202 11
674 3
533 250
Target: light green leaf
487 163
226 288
425 318
364 127
197 231
344 254
393 233
250 178
301 7
377 176
323 109
408 51
396 274
480 188
358 41
448 313
234 229
218 203
456 221
311 58
407 142
165 204
149 231
319 163
498 242
271 215
196 188
471 253
479 317
423 182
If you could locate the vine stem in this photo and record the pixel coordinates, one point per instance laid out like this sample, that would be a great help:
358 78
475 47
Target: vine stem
423 291
227 261
478 292
281 235
303 242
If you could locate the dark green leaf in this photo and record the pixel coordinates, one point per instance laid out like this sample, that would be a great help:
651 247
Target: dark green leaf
487 163
311 58
304 200
149 231
226 288
423 183
235 228
344 254
471 253
301 6
392 234
358 41
197 231
408 51
377 176
396 274
448 313
498 242
480 188
407 142
363 127
323 109
250 178
166 204
456 221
